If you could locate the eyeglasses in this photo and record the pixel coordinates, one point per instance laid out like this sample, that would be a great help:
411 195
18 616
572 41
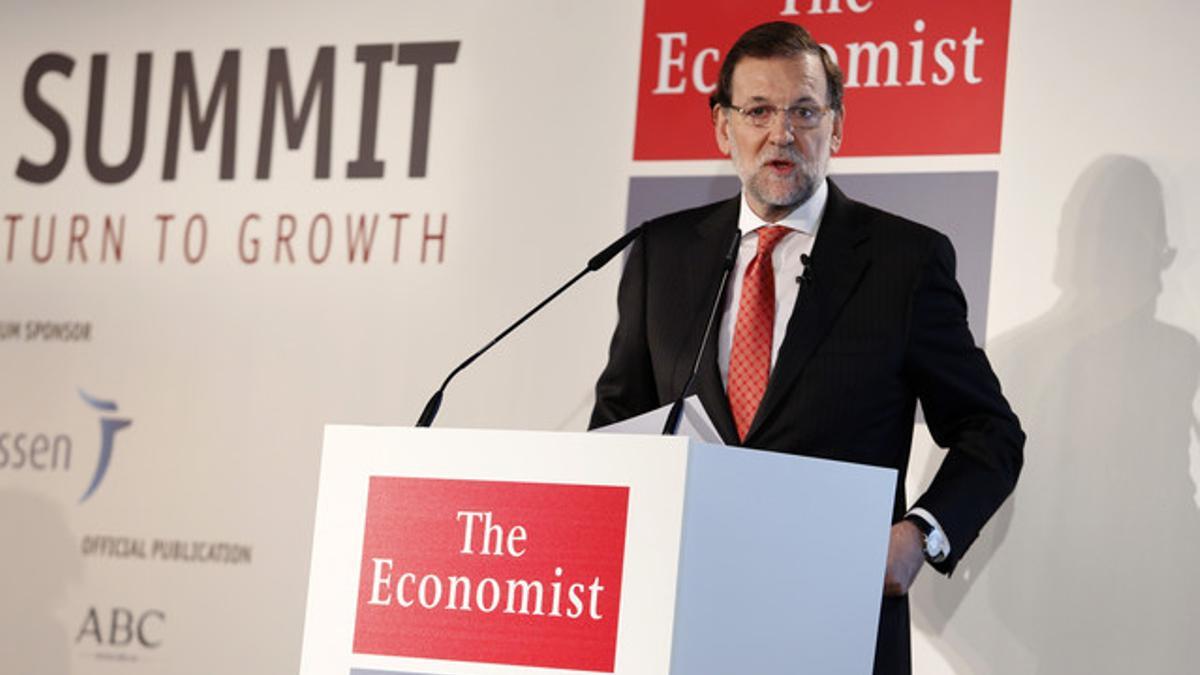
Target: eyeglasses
803 116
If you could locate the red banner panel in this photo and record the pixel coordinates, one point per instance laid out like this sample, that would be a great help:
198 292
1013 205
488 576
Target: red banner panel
923 77
514 573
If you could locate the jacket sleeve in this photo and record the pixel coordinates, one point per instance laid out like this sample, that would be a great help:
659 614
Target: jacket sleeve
963 405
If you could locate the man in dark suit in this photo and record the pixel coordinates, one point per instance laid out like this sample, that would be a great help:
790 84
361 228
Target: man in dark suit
838 319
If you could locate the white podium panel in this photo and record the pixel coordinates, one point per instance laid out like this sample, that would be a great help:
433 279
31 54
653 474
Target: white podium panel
439 552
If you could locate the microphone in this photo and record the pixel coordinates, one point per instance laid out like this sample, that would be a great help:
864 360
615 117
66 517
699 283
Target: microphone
673 416
596 262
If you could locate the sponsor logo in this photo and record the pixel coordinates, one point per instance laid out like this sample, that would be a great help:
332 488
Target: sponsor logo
922 76
120 632
511 573
51 452
109 426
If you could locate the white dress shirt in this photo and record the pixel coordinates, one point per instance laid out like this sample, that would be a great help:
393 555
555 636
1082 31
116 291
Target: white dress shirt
786 261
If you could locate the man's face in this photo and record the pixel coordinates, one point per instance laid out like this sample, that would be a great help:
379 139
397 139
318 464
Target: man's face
780 165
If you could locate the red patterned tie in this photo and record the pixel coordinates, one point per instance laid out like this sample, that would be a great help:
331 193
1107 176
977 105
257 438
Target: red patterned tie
750 356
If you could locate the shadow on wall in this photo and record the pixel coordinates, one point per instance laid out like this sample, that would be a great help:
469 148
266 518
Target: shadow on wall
1094 565
38 560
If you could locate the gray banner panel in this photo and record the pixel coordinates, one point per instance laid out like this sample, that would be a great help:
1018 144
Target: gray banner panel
961 204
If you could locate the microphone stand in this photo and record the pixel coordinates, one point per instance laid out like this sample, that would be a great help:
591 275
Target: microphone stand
671 426
595 263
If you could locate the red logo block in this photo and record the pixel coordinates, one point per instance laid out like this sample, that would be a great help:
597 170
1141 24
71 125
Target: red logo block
922 76
512 573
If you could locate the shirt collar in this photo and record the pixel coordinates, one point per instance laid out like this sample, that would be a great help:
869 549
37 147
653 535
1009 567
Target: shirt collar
805 218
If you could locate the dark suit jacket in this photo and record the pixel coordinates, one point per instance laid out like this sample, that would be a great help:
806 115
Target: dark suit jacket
883 324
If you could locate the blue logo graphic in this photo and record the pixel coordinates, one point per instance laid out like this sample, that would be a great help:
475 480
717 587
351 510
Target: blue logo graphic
109 426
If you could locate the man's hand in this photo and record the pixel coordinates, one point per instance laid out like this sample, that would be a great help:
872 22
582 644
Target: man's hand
904 559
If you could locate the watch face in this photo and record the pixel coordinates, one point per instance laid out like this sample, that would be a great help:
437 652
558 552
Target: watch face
934 544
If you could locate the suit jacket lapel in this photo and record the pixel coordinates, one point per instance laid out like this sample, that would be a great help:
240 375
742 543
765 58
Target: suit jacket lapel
717 233
712 394
838 261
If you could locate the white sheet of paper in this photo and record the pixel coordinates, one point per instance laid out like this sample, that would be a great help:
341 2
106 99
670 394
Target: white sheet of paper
694 424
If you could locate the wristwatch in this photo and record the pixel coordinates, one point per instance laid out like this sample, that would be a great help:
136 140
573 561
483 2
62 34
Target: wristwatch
935 544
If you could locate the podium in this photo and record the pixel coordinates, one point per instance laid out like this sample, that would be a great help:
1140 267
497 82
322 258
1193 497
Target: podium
472 552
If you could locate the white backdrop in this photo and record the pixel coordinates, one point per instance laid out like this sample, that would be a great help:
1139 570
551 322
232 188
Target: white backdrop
227 371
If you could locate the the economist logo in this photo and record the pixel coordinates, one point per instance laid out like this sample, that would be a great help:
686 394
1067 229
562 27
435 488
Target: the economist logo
522 574
923 77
